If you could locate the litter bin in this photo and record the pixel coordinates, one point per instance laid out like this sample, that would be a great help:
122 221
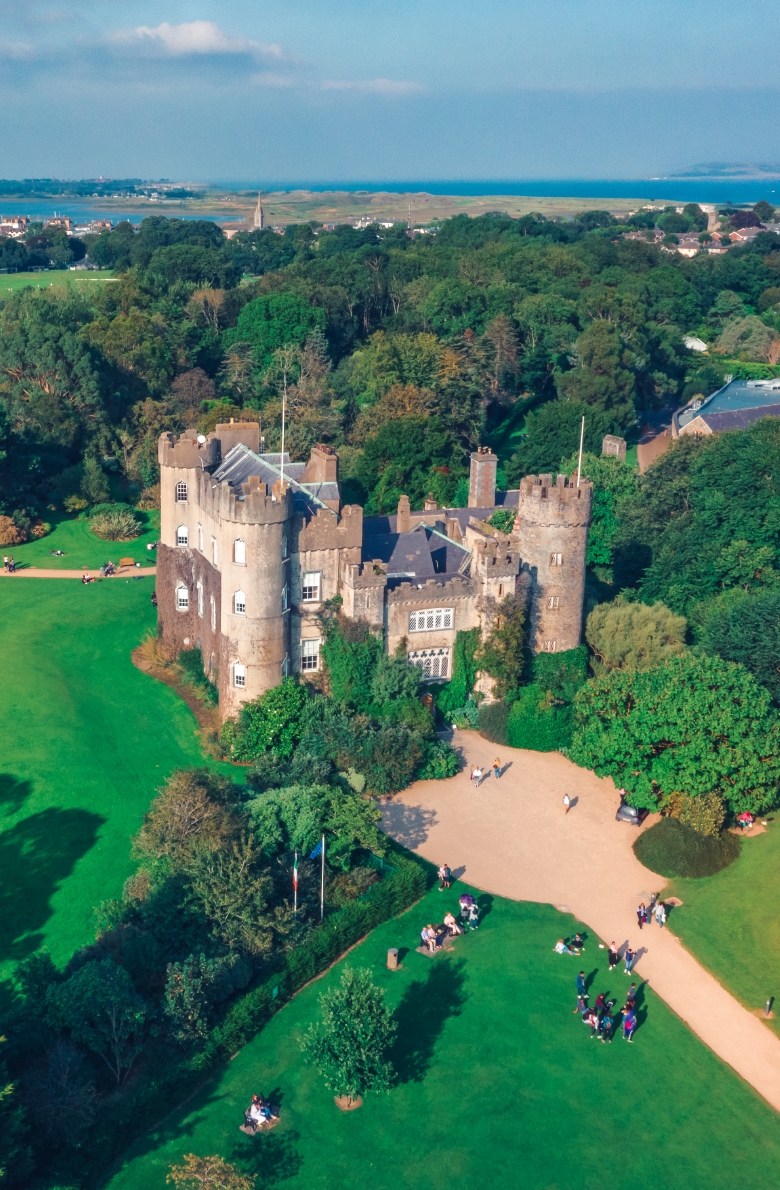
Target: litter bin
392 958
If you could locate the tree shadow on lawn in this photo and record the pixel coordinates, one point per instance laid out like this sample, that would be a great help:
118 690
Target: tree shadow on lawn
270 1158
13 793
421 1015
36 855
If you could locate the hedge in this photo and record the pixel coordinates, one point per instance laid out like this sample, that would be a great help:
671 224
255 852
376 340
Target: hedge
406 883
671 848
536 725
492 722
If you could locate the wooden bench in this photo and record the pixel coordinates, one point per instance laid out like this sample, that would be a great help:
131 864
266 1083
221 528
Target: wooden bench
127 561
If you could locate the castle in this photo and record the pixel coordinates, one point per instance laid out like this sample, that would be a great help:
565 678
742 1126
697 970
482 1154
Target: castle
252 544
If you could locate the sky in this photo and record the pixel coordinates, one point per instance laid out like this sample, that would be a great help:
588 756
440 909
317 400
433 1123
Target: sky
345 90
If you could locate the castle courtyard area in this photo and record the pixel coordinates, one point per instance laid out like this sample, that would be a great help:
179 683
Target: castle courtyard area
511 837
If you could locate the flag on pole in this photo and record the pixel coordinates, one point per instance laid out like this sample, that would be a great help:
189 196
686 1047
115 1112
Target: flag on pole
317 850
295 872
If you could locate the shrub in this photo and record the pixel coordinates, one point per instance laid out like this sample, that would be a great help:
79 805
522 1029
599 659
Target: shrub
351 655
40 529
350 1045
503 519
634 635
493 720
442 761
671 848
74 503
272 722
10 533
115 526
502 655
536 723
149 498
706 813
465 716
455 693
561 674
191 662
745 627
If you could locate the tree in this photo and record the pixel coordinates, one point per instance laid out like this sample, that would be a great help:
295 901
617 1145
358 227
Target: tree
271 723
694 725
764 210
295 818
102 1010
601 378
94 485
350 1045
232 886
189 812
63 1077
614 484
395 680
502 654
208 1173
750 339
274 321
553 433
193 988
745 627
633 635
409 456
15 1160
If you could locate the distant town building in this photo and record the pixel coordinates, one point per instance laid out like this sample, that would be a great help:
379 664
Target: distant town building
693 343
258 222
13 226
59 221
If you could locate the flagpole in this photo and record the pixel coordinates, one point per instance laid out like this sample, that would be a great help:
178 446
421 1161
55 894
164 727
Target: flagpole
295 884
322 882
582 439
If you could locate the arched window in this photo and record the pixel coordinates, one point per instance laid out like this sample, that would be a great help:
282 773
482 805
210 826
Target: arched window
182 535
182 599
239 675
181 493
239 552
239 603
200 599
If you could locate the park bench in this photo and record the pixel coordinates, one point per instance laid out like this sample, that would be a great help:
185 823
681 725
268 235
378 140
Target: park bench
127 561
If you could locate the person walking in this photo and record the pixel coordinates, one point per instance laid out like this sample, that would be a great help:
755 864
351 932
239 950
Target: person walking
660 914
631 996
497 768
582 992
614 955
641 914
474 916
5 561
566 803
445 877
471 774
477 777
629 959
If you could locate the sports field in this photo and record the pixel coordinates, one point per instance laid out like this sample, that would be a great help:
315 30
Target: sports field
86 740
730 922
499 1084
82 548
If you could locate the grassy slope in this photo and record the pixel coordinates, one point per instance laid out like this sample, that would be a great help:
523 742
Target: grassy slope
86 740
51 280
730 922
500 1085
82 547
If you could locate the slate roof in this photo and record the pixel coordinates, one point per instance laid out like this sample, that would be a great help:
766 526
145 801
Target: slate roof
420 554
240 462
737 395
738 419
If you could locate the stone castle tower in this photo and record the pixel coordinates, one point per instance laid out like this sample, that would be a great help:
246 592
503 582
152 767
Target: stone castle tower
551 531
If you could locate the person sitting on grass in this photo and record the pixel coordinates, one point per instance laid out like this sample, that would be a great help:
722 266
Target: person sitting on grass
561 947
86 578
452 926
577 943
258 1113
430 938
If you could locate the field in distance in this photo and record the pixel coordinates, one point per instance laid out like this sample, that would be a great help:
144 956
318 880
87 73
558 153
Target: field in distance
54 279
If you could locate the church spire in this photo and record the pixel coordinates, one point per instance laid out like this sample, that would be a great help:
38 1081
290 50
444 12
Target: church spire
259 219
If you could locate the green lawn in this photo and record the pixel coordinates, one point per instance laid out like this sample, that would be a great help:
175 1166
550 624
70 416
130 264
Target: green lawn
82 547
86 740
499 1084
730 921
51 280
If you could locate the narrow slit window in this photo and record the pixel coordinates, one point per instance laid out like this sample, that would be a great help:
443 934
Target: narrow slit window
284 545
285 596
214 550
239 552
200 538
213 614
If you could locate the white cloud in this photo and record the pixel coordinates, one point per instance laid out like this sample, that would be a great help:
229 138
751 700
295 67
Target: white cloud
191 37
269 78
378 86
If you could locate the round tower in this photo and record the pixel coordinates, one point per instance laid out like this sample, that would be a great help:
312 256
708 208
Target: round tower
551 530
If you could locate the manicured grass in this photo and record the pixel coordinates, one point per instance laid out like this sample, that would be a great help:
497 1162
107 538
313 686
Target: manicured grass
86 741
730 921
51 280
82 547
499 1084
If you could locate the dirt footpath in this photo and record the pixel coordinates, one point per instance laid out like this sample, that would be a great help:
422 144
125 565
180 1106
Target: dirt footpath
511 837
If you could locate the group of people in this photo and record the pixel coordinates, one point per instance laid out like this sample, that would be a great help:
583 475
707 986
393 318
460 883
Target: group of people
433 936
258 1113
8 564
476 774
602 1020
107 569
574 945
656 909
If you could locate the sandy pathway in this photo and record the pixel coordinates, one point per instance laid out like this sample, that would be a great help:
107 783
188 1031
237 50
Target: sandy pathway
39 572
511 838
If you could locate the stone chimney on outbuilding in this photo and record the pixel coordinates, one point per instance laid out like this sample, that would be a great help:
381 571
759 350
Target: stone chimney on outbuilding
612 445
430 503
323 465
404 519
482 479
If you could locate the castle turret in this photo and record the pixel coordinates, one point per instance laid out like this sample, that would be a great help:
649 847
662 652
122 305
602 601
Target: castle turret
551 531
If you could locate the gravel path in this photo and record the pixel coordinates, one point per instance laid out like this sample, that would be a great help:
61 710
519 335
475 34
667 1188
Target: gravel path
511 838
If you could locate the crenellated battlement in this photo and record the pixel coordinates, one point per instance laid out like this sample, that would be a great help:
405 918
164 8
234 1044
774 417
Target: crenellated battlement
365 574
433 591
187 450
327 530
557 498
252 503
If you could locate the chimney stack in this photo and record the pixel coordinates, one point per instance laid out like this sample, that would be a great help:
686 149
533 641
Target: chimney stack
404 521
482 479
430 503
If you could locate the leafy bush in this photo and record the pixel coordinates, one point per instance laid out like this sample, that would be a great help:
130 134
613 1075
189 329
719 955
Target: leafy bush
442 761
191 662
349 1046
271 723
115 526
706 813
671 848
536 723
695 724
502 655
10 533
634 636
560 675
455 693
493 720
351 655
503 519
465 716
